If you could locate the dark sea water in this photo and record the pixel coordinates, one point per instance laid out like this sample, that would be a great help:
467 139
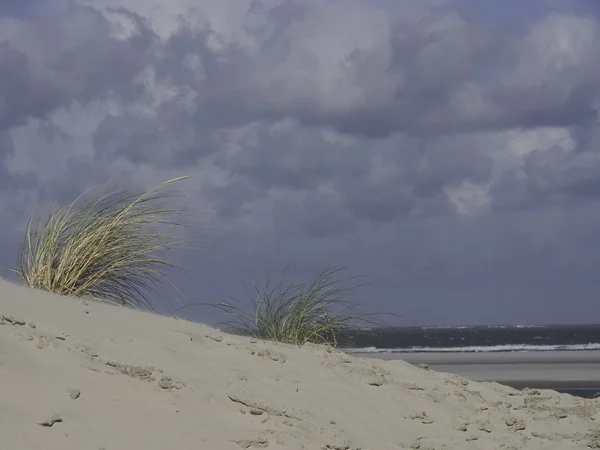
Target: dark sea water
500 338
494 338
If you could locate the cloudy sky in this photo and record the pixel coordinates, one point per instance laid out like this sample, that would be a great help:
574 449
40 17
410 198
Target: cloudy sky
449 150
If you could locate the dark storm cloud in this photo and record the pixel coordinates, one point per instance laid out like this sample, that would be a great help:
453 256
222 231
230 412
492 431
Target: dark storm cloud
362 179
327 132
8 180
23 93
49 63
166 139
7 146
555 177
89 62
422 78
298 171
447 163
19 7
75 58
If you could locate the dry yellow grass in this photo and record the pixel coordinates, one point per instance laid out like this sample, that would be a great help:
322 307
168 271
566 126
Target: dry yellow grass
108 247
315 312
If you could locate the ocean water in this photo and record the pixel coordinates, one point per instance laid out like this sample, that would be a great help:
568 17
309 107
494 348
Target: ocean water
499 338
493 338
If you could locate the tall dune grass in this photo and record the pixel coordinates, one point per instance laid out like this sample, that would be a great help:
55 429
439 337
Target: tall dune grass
107 248
315 312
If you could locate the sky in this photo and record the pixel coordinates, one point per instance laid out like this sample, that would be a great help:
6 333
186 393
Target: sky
447 150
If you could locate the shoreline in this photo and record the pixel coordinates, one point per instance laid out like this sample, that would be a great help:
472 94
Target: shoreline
563 370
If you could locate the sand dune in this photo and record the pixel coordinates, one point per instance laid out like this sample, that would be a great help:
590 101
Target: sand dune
89 376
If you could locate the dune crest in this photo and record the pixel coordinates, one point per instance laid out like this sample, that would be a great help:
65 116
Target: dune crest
84 375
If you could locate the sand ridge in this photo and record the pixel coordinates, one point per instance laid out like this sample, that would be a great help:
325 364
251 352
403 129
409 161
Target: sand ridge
84 375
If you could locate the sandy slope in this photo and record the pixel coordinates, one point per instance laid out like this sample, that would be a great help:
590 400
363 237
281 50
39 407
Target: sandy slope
119 379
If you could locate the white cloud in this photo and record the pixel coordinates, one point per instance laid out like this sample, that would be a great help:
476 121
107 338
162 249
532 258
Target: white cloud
468 198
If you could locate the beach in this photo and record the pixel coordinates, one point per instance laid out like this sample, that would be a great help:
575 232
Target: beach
80 374
563 370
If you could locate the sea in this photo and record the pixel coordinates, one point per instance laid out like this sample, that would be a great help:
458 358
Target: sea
490 338
384 342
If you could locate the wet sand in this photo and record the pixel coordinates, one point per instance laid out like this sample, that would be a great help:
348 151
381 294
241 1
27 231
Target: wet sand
541 370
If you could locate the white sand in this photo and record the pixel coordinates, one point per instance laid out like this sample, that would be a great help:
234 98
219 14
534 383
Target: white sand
119 379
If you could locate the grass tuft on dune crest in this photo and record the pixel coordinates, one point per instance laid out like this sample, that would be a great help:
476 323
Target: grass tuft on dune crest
316 312
107 248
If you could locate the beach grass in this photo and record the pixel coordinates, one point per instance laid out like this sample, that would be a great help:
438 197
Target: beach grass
299 313
108 247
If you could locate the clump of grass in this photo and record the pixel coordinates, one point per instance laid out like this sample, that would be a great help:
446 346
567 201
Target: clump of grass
107 248
316 312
